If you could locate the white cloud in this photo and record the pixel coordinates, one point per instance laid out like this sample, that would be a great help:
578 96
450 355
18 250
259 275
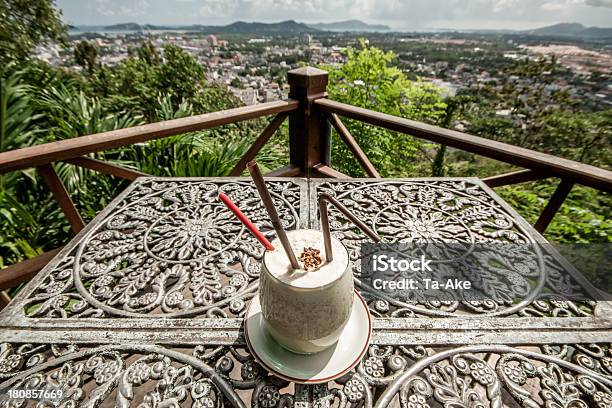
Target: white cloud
104 8
133 8
399 14
503 5
294 6
218 8
599 3
553 6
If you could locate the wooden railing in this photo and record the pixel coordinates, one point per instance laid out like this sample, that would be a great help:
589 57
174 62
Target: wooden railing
311 118
74 151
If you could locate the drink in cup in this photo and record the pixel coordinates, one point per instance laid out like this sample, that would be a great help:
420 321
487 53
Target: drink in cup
306 309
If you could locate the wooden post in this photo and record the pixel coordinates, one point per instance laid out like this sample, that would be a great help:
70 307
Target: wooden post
309 129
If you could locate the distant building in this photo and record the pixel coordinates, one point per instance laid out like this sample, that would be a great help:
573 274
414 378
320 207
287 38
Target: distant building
504 113
270 96
212 40
249 96
447 89
305 38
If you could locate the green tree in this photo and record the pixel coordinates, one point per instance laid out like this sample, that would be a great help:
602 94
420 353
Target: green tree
369 80
454 105
17 118
20 226
581 136
180 75
24 24
85 54
148 53
76 114
135 84
584 216
540 115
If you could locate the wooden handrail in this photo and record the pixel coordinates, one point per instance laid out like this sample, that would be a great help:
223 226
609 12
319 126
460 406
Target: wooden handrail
584 174
35 156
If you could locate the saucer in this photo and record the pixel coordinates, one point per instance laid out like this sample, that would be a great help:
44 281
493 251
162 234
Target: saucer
313 368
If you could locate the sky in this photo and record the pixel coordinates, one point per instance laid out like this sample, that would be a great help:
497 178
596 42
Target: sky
398 14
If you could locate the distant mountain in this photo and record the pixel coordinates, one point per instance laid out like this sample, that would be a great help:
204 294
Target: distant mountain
574 30
597 32
350 25
124 27
239 27
284 27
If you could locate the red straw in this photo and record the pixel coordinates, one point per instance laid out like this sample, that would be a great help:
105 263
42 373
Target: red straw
247 223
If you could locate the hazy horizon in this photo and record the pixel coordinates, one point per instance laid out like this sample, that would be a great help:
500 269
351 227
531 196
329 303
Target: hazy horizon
423 29
415 15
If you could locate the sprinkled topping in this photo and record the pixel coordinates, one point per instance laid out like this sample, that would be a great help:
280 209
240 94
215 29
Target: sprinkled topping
310 258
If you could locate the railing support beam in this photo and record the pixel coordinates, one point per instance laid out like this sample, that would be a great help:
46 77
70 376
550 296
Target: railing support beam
60 193
555 202
38 155
309 130
351 143
285 171
267 133
23 271
515 177
106 168
327 171
5 299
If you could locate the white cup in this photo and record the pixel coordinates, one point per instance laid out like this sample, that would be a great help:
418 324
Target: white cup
305 311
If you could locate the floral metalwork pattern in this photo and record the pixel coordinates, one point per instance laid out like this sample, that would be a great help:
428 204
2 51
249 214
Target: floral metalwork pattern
170 258
168 248
498 376
448 219
151 375
577 375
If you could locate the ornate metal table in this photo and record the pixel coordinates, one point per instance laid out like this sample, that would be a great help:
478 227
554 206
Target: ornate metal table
143 307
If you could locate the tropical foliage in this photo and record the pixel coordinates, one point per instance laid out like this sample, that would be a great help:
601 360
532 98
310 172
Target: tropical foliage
41 104
24 24
369 80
